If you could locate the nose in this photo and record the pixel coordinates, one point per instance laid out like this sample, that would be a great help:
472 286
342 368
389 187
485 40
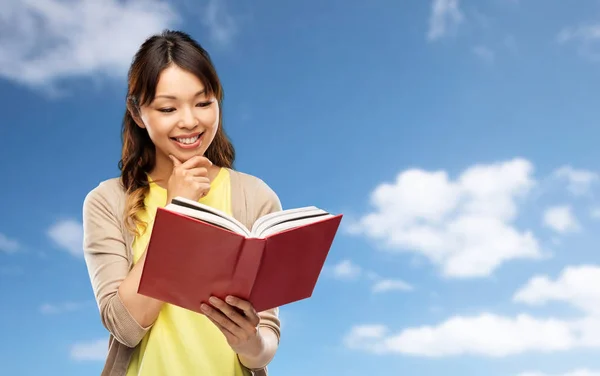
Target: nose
188 120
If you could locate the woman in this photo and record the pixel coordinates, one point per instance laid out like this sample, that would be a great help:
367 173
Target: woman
173 145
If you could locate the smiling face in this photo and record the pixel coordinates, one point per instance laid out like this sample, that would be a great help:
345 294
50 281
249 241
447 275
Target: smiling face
183 118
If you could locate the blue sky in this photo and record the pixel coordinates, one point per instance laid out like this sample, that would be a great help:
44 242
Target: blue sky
458 137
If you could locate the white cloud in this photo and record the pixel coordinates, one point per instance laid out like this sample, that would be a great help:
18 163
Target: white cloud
220 23
68 235
90 351
346 270
444 19
48 40
486 335
579 182
8 245
576 372
464 226
585 37
493 335
576 286
484 53
54 309
561 219
595 213
386 285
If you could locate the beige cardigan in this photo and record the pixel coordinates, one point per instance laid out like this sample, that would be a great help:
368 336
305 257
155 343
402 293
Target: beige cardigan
107 247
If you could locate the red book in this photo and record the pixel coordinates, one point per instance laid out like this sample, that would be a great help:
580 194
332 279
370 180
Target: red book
196 251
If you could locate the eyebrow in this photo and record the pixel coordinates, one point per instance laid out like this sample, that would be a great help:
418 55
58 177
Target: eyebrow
203 91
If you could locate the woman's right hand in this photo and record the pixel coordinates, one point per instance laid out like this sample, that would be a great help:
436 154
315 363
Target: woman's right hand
189 179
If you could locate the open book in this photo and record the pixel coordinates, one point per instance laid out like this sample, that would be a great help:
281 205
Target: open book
196 251
267 225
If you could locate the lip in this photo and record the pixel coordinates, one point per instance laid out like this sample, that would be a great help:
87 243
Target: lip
188 146
186 135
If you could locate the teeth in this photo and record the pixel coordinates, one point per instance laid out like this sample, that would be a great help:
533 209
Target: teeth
188 140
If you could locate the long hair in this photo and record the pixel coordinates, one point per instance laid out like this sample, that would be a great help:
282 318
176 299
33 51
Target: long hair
138 155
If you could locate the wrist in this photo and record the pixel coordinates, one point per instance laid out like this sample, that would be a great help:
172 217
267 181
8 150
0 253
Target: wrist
261 351
251 349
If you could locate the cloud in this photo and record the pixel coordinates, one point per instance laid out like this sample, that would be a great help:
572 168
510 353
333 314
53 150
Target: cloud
8 245
484 53
68 235
577 372
560 219
492 335
585 37
486 334
464 226
45 41
90 351
386 285
579 182
576 286
346 270
444 19
54 309
221 24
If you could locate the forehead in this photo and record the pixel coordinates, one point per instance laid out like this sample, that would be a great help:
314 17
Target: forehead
177 82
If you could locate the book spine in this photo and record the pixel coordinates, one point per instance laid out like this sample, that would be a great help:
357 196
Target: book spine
247 267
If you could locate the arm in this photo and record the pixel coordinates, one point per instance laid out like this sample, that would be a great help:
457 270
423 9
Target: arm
124 313
269 328
144 309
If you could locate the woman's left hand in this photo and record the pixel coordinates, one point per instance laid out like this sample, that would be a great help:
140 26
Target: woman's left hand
238 321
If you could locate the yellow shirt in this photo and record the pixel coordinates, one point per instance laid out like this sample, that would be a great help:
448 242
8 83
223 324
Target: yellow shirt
182 342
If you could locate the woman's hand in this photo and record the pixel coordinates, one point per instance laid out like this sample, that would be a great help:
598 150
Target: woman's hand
238 321
189 179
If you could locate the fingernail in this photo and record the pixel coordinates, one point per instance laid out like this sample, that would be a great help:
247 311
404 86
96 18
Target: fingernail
204 307
212 299
229 299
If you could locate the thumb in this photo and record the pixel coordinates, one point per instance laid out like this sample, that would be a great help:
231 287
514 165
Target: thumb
176 161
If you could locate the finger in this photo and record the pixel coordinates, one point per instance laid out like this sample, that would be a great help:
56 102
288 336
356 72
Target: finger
198 171
197 161
224 321
223 329
246 307
176 162
234 315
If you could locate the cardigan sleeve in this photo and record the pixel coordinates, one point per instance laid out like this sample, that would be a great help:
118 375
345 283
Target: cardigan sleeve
105 252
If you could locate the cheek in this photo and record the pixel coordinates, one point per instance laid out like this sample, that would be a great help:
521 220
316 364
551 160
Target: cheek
156 126
210 119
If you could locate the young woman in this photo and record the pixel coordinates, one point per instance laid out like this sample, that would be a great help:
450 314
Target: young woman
173 145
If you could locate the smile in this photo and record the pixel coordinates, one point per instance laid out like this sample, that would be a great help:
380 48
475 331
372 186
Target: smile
188 141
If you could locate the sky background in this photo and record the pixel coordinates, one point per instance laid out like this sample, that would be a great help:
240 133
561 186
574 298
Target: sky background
458 138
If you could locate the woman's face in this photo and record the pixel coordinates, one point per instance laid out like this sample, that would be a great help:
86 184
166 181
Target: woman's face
181 120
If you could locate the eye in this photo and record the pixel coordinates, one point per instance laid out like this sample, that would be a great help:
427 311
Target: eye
166 110
204 104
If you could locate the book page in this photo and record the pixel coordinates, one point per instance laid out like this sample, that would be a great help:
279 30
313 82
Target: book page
281 216
282 226
206 213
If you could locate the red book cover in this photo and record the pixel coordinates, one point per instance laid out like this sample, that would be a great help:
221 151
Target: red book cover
188 260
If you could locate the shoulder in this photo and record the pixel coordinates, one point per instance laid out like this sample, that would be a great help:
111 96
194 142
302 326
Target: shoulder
107 195
264 197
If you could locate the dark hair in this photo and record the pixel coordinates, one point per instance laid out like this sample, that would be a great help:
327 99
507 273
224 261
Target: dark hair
138 152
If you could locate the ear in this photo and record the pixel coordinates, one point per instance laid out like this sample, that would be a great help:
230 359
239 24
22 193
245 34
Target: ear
135 115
